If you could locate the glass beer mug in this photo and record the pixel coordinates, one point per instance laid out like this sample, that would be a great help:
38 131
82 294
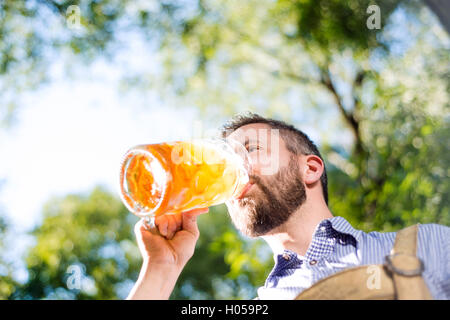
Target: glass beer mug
172 177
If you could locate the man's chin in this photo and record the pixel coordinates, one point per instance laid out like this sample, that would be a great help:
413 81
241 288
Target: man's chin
239 212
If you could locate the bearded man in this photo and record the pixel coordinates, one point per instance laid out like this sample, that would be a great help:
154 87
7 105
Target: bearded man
286 204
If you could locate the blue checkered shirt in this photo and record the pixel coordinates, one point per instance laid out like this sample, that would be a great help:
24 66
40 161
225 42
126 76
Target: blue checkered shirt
336 246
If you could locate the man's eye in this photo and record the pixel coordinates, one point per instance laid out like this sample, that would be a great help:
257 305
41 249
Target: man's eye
252 148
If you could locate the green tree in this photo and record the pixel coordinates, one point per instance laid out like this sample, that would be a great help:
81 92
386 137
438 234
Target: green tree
84 249
7 283
287 57
317 63
91 236
380 98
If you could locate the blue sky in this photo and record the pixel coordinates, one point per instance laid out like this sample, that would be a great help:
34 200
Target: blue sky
70 136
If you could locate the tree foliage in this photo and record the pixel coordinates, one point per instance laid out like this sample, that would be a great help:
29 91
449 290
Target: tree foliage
285 58
92 233
91 237
7 283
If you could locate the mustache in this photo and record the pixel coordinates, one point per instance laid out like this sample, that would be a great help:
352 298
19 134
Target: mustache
254 180
262 185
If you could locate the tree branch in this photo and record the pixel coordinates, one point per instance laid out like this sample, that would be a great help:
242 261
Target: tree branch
348 116
283 71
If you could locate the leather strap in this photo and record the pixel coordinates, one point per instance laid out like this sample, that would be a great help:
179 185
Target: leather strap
353 284
406 267
399 279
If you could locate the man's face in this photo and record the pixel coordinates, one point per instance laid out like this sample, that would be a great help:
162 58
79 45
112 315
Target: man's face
277 188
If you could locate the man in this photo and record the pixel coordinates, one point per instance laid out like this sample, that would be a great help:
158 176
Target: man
286 204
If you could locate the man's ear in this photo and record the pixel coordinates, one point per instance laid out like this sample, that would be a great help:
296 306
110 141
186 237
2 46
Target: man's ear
313 169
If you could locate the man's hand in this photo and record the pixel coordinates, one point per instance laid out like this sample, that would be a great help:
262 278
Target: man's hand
165 247
172 240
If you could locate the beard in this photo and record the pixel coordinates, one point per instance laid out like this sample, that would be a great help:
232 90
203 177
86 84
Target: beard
270 202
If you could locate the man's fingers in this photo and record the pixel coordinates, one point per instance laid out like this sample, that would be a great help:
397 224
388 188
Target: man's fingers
171 226
196 212
167 225
190 220
179 220
162 223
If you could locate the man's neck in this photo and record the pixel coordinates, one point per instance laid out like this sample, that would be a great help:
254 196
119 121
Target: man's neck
296 234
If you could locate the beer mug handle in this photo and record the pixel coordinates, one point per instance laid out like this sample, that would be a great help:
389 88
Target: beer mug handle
149 224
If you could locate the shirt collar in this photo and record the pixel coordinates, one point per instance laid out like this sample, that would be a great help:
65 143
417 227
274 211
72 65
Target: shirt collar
327 228
341 225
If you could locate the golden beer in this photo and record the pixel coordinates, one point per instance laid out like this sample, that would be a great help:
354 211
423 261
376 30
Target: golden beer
172 177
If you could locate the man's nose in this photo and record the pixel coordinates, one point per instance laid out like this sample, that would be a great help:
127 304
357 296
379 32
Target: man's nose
255 166
261 166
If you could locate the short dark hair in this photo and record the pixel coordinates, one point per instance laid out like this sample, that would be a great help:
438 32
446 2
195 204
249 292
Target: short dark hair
297 142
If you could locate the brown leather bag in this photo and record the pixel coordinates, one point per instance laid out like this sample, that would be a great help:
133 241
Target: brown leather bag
400 278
